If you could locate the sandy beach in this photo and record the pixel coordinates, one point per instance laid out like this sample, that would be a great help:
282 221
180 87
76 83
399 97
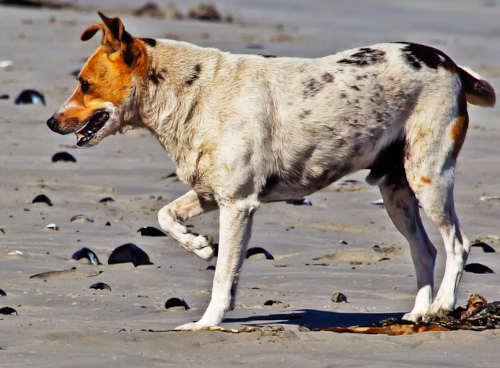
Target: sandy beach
342 243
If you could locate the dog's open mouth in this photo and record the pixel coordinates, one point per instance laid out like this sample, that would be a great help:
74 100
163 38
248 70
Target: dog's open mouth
95 122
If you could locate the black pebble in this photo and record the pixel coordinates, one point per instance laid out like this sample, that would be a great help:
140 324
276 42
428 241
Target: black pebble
300 202
150 231
100 286
29 96
42 198
129 253
477 268
107 223
63 156
106 200
211 268
485 247
2 293
7 310
176 302
272 302
259 250
4 97
86 253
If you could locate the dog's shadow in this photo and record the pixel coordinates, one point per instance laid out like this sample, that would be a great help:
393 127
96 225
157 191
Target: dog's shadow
313 318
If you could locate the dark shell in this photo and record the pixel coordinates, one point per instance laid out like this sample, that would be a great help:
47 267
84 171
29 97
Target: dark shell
42 198
29 96
106 200
176 302
129 253
107 223
258 250
150 231
63 156
4 97
81 219
300 202
100 286
7 310
272 302
338 298
485 247
86 253
477 268
2 293
210 268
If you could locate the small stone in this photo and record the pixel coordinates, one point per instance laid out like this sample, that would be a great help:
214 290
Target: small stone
63 157
176 302
7 310
339 298
52 227
100 286
82 219
42 198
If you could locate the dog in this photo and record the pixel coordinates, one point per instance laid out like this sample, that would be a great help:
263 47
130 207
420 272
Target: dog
246 129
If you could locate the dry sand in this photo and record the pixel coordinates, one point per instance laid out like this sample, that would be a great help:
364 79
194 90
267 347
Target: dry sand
61 322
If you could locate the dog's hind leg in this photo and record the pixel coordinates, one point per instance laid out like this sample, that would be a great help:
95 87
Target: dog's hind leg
402 207
182 209
433 147
234 235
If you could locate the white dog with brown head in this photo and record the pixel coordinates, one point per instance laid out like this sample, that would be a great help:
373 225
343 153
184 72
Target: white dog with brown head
246 129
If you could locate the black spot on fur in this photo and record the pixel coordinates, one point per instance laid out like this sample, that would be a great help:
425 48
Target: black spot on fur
155 77
365 56
327 77
304 114
194 75
417 54
389 161
149 41
312 87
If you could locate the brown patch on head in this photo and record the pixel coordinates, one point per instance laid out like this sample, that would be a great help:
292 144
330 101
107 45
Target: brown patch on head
108 75
459 128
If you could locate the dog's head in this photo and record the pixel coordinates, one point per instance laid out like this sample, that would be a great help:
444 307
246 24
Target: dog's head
105 85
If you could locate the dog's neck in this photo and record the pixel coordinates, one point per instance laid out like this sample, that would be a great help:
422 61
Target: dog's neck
168 99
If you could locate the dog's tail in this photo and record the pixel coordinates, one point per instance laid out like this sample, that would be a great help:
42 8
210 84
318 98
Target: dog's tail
477 90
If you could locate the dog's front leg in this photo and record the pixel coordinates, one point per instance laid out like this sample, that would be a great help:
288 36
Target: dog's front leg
234 234
182 209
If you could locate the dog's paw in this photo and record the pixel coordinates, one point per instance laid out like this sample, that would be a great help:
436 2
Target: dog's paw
413 317
192 326
206 253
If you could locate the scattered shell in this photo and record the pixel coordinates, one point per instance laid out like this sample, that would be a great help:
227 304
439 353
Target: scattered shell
71 273
52 227
6 63
15 254
63 156
176 302
4 96
490 198
258 252
129 253
2 231
276 303
477 268
485 247
378 202
300 202
210 268
172 177
100 286
150 231
8 310
338 298
2 293
204 12
42 198
82 219
107 223
106 200
29 96
86 253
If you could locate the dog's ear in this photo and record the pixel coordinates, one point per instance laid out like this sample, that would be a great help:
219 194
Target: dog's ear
117 42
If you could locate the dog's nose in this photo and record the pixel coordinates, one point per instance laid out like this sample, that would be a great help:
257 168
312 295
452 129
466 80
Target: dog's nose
52 124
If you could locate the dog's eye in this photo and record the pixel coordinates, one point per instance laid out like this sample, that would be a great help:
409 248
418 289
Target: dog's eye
85 85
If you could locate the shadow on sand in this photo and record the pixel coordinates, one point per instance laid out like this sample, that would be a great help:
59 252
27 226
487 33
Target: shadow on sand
313 318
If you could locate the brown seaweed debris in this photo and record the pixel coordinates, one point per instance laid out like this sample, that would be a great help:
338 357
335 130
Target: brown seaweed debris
478 315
